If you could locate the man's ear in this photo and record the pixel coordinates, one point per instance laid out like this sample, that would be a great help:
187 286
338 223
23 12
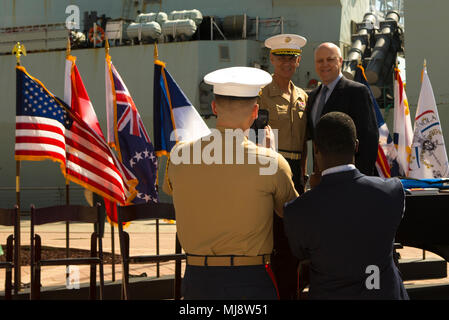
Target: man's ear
340 59
298 60
255 111
214 107
356 146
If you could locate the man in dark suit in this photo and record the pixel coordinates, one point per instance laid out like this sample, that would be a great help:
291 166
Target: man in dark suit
346 225
336 93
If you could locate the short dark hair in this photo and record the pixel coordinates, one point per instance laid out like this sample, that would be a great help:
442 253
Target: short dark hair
226 99
335 134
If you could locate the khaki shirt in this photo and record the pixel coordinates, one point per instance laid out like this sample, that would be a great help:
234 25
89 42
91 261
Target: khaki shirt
227 209
288 116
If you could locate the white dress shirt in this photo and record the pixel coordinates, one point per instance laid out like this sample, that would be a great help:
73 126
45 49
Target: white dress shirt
344 167
331 87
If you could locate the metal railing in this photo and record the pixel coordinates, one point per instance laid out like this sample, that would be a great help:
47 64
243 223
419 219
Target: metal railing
53 196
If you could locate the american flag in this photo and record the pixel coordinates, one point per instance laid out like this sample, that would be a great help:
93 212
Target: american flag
46 128
126 132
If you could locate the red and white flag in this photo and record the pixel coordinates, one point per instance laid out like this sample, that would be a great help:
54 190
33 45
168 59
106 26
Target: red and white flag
75 95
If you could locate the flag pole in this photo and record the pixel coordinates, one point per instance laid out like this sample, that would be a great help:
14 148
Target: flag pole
18 50
155 55
67 198
422 77
424 68
67 192
106 45
106 49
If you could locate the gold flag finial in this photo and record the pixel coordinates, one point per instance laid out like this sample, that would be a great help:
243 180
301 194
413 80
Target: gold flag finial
106 45
155 51
69 48
18 50
423 69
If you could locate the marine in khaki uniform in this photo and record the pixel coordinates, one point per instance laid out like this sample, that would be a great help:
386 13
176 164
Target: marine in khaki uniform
224 190
287 114
286 104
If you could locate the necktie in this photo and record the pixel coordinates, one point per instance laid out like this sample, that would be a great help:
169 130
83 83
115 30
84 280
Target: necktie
320 105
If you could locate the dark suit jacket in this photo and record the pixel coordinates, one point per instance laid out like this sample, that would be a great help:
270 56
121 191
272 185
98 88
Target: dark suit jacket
353 98
344 225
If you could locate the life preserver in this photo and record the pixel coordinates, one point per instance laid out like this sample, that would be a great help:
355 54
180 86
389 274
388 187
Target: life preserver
313 83
100 35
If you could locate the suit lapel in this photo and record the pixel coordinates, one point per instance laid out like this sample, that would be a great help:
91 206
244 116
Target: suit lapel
310 103
311 99
334 97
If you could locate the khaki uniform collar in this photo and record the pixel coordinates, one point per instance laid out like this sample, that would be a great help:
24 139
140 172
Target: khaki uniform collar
274 90
295 92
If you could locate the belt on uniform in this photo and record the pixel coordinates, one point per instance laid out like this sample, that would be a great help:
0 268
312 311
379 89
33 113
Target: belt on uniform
290 154
227 261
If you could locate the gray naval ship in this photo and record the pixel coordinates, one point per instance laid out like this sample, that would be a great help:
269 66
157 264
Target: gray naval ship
194 37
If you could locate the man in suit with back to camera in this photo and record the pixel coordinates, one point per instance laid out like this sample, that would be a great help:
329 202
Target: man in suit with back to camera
336 93
346 225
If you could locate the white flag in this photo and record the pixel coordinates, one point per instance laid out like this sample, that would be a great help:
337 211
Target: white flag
402 132
428 159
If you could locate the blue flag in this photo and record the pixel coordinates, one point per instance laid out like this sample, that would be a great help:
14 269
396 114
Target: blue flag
386 164
175 118
126 132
